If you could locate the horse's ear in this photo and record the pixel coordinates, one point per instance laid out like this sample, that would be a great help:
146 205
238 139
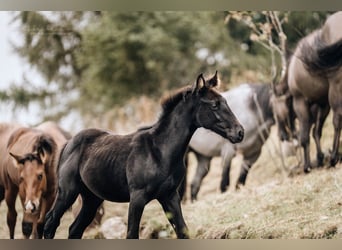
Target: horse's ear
200 83
46 149
16 159
213 82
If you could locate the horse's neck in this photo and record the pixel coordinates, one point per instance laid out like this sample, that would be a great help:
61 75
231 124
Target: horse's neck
173 133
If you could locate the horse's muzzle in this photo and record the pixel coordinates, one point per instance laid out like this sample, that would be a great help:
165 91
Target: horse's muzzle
236 135
31 207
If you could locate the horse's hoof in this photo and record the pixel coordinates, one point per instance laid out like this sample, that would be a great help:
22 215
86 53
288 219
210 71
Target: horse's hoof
320 160
193 199
223 189
27 228
334 160
307 170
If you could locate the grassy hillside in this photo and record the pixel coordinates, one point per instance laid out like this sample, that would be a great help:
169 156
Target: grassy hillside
271 205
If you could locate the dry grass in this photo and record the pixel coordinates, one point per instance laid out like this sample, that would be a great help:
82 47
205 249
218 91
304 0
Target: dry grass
271 205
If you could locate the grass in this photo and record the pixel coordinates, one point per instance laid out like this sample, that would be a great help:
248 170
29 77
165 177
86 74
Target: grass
270 206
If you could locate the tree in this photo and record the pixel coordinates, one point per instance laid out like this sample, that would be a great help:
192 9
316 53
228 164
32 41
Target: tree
92 62
97 60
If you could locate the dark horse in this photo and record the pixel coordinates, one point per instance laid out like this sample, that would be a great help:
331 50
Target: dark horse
314 85
142 166
251 104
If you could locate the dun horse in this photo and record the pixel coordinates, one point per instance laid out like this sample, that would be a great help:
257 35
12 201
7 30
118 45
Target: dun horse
142 166
314 83
28 167
251 103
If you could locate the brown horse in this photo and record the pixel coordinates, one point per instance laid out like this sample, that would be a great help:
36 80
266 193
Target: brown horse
28 166
314 85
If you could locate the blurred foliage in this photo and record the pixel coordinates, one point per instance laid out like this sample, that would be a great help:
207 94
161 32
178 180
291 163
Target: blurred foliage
93 62
297 25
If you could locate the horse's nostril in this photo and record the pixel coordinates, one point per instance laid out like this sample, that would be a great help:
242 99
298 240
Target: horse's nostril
33 208
241 133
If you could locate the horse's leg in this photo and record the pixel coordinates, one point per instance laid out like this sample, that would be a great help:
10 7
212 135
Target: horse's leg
68 190
173 212
45 204
322 114
303 114
2 193
65 198
335 101
337 122
10 197
248 160
90 204
27 226
201 171
227 154
182 186
136 208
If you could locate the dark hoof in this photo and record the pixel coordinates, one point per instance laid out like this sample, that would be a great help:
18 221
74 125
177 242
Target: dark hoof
49 228
26 228
238 186
307 170
40 230
48 235
320 160
223 189
193 199
333 161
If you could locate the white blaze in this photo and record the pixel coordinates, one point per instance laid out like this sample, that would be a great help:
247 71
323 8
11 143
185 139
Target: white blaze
29 206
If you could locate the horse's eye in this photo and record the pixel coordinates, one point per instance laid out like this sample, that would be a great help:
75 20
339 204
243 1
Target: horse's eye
39 177
214 105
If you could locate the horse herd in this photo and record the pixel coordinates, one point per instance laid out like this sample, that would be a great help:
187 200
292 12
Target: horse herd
49 168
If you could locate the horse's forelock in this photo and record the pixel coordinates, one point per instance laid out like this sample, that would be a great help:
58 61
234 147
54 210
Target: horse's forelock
45 145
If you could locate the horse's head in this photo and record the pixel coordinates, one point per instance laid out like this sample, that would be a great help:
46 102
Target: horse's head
212 111
32 163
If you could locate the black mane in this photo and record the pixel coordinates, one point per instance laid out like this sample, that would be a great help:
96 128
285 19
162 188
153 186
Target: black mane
169 102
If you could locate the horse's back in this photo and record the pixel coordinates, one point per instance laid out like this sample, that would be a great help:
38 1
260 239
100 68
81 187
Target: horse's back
6 164
301 81
240 100
57 133
332 29
99 158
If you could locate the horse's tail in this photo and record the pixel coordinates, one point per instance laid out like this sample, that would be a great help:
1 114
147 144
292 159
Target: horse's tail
320 58
330 57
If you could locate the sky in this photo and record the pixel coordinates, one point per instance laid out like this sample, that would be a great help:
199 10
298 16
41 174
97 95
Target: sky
12 68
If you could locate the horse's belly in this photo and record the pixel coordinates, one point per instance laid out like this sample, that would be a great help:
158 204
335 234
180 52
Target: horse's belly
106 183
207 142
302 83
